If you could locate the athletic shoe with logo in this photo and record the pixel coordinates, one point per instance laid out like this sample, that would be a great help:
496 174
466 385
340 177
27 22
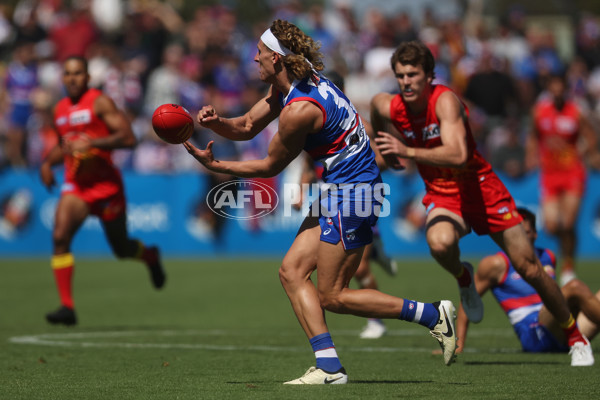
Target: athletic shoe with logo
316 376
64 315
470 299
581 354
374 329
444 331
157 273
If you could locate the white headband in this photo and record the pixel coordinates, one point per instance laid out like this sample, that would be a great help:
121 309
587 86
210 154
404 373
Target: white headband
274 44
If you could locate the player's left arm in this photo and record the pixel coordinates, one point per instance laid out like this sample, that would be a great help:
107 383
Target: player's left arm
296 121
453 151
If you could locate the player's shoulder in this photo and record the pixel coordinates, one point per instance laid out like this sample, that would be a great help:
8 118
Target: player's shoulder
382 101
101 101
301 114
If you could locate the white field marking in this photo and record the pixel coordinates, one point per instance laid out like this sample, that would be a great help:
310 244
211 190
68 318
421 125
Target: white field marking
71 339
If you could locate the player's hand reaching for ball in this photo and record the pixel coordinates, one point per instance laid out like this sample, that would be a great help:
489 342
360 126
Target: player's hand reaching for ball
207 115
204 157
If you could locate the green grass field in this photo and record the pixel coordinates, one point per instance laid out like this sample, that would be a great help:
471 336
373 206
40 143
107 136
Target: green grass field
223 329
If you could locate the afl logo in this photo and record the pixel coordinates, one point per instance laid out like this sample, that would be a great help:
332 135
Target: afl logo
242 199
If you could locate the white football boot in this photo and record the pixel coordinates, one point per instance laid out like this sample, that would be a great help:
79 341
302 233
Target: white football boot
316 376
444 331
581 354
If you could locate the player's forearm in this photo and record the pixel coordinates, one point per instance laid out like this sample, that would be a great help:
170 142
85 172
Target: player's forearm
115 141
238 129
244 169
437 156
55 156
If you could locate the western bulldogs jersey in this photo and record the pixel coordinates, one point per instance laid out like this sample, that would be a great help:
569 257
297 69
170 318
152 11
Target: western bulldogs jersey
342 145
516 297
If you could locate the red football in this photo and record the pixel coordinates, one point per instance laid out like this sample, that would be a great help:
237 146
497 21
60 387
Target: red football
172 123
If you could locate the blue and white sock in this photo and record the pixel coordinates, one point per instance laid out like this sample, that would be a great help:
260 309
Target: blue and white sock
425 314
327 358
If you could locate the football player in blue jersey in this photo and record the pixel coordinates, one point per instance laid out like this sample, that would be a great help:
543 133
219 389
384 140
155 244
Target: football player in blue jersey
537 330
315 116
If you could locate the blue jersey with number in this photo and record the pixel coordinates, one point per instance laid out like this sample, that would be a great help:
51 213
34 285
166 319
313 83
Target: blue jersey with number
342 145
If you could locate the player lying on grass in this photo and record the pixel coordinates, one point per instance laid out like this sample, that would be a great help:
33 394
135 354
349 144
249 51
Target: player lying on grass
315 116
537 329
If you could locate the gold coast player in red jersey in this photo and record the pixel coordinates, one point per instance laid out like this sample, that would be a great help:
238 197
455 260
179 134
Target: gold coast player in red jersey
462 191
559 124
89 127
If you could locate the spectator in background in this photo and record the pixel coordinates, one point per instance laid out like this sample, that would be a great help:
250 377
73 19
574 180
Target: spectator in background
508 155
41 136
163 83
559 124
490 91
74 33
21 80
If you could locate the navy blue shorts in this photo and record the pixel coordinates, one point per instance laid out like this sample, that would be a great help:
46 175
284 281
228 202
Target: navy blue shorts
536 338
348 213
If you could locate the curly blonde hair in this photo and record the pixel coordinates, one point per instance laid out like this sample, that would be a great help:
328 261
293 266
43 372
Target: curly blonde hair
303 46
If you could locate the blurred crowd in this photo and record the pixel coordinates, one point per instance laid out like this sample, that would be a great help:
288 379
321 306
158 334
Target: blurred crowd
144 53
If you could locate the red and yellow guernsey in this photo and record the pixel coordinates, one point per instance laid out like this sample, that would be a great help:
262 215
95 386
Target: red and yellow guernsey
551 124
92 174
423 131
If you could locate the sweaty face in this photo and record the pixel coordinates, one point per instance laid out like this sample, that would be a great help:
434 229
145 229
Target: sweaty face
75 78
412 81
264 58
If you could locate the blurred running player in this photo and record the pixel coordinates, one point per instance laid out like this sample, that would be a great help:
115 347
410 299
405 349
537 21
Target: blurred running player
462 190
89 126
559 124
537 330
316 116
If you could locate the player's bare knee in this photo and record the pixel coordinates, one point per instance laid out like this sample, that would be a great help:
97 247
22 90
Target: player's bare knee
288 276
575 287
552 228
440 244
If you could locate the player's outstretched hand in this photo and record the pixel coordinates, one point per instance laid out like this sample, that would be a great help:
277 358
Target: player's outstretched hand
204 157
207 115
391 148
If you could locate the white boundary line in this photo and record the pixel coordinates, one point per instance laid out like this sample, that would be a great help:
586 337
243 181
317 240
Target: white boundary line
70 339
